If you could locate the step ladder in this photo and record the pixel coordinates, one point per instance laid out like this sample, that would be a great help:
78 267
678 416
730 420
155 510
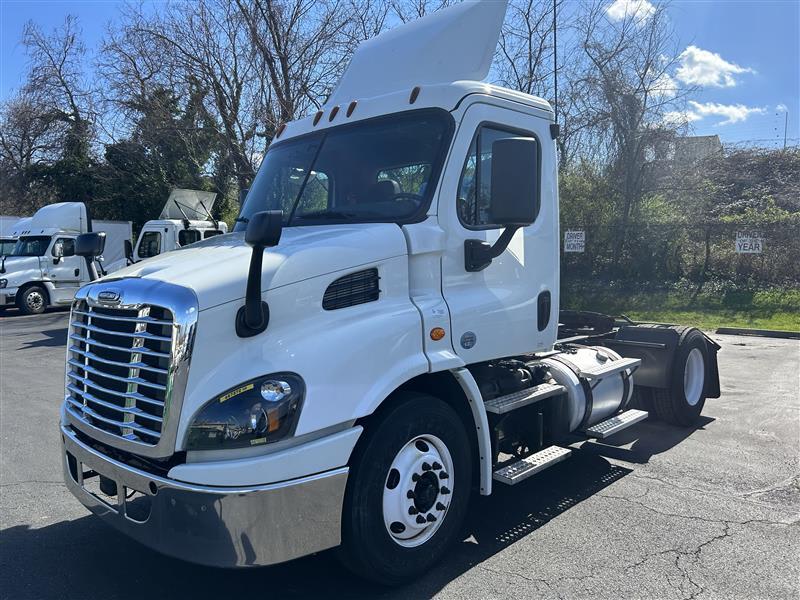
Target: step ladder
616 423
610 367
509 402
520 470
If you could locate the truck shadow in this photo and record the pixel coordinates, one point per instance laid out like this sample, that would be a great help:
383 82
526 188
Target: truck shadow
646 440
84 558
51 338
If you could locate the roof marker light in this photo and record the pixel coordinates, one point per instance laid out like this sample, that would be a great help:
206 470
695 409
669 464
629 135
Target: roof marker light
334 112
352 107
414 94
317 117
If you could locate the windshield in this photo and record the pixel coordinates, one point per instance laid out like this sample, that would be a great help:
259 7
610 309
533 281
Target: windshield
7 246
381 170
34 245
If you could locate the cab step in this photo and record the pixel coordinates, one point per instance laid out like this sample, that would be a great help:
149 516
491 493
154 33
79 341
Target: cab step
509 402
611 367
530 465
616 423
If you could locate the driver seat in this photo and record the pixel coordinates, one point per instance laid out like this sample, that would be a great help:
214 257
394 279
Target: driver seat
383 191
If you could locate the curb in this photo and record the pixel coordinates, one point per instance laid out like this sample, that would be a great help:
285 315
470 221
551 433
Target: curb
772 333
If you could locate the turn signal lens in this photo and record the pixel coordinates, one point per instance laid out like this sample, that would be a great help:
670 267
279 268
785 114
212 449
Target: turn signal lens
437 333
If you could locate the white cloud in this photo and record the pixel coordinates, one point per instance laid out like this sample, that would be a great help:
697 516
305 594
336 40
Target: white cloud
732 113
640 10
702 67
664 86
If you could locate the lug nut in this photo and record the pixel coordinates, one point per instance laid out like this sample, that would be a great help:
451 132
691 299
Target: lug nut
436 466
440 506
410 494
426 467
420 519
443 475
412 510
445 490
431 518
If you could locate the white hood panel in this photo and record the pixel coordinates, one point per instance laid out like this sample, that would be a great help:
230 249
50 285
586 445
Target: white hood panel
216 269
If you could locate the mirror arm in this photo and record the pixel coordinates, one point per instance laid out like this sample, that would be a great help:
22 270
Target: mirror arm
479 254
253 317
91 268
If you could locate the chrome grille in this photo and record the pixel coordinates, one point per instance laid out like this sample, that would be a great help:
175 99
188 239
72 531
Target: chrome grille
119 369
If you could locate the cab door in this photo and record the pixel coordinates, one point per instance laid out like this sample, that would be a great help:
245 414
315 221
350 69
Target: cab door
65 271
511 306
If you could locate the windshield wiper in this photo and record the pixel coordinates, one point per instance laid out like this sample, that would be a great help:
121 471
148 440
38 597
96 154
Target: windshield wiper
241 220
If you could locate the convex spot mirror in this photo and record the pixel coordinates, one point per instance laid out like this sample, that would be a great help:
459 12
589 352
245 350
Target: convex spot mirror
515 181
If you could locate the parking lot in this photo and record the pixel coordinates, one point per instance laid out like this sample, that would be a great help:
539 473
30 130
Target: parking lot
654 512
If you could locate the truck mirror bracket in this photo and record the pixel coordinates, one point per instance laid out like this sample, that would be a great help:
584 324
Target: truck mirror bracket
479 254
263 231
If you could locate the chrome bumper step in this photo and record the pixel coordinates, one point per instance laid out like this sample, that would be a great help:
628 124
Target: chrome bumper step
530 465
616 423
509 402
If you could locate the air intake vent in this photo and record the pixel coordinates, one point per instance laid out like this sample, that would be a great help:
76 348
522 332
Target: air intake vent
356 288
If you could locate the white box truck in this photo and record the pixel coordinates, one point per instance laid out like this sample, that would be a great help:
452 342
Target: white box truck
378 340
42 269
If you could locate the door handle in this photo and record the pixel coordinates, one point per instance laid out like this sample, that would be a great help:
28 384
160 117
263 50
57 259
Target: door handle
77 272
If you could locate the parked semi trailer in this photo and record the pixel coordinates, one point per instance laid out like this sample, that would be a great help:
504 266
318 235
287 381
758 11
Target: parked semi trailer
42 270
377 341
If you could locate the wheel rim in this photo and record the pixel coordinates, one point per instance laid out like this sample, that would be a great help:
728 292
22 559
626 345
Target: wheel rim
693 377
34 301
418 491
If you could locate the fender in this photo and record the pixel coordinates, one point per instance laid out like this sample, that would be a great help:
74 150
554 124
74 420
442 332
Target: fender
475 399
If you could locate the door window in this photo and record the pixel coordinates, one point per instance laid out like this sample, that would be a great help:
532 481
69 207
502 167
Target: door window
474 200
150 244
67 247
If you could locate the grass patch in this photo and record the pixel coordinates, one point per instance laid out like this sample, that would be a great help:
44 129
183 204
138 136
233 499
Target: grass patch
759 309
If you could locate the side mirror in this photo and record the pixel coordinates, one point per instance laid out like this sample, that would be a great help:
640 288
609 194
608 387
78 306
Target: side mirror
515 197
263 231
90 245
515 181
58 252
128 251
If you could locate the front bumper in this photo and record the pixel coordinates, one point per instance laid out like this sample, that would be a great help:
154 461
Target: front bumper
216 526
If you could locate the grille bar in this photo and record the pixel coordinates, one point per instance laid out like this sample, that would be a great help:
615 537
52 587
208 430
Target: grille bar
116 363
145 319
136 334
121 424
133 395
111 406
129 380
91 342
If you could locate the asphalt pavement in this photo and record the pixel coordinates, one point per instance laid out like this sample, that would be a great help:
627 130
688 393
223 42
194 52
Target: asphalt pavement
653 512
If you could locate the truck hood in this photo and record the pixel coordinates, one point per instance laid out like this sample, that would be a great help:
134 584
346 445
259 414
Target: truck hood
216 268
21 269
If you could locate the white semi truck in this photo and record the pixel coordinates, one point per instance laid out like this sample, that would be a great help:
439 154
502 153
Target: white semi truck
378 340
42 270
177 226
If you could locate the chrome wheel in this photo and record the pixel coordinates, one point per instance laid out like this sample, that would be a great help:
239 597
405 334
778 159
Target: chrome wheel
34 301
694 377
418 491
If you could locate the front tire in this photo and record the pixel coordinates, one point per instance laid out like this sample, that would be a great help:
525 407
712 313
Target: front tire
32 301
408 490
682 403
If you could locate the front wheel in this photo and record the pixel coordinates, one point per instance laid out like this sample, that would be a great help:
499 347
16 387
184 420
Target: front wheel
408 490
32 301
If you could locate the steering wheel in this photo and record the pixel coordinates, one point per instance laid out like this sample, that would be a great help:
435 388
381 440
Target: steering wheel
401 195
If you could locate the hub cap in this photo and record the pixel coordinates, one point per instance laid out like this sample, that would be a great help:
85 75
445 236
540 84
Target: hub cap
694 377
418 491
34 301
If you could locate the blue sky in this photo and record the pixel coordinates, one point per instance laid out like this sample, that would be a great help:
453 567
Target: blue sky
744 54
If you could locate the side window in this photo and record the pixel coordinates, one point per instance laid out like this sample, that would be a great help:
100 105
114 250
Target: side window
150 244
67 246
188 236
211 233
474 189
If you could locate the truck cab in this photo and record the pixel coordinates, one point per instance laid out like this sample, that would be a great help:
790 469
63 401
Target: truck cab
42 270
376 341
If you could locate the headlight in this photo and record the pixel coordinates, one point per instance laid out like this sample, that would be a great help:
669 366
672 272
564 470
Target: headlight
3 283
259 411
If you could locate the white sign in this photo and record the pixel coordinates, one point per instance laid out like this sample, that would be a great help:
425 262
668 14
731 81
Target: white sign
749 242
574 240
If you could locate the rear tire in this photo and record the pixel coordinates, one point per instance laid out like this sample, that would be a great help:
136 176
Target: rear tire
682 402
398 475
32 300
